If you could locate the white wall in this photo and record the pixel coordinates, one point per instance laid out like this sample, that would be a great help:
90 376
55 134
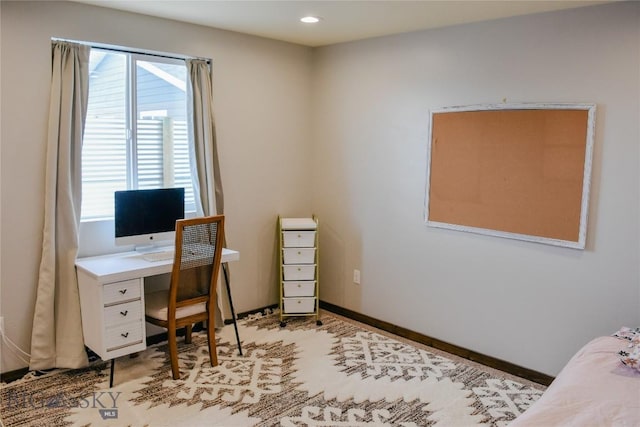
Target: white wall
261 93
526 303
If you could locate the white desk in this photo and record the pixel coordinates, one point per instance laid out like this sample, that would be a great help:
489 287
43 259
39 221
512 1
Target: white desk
112 300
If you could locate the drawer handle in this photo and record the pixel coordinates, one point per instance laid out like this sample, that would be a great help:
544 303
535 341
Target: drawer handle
125 335
299 285
299 253
123 291
124 313
299 302
299 235
299 269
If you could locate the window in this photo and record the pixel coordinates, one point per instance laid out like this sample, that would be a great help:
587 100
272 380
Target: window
136 130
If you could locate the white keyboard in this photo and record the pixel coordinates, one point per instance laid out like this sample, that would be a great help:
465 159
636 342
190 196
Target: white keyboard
158 256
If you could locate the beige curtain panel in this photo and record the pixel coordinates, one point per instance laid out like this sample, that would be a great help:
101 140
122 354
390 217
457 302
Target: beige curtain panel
204 161
205 166
56 337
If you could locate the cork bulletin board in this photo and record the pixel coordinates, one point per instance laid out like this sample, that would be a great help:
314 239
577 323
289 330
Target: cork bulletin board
518 171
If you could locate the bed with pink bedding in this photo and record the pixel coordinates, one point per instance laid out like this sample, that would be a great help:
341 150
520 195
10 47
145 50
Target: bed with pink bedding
594 389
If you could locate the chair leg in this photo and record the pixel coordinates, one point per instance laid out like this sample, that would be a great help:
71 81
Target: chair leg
211 337
187 334
173 353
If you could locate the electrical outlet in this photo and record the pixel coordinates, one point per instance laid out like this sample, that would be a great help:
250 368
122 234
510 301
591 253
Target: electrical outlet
356 277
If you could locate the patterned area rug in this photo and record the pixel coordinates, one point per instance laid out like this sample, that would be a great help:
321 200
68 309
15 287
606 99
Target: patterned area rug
339 374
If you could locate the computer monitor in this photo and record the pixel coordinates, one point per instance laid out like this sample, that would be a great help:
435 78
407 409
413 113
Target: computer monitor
147 217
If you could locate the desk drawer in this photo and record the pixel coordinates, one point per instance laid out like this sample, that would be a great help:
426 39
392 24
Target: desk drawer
299 239
127 290
123 335
299 305
299 289
122 313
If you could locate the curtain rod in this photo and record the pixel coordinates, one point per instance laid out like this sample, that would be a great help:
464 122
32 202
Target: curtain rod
132 50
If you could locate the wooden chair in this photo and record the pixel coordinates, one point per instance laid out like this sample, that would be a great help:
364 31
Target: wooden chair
191 297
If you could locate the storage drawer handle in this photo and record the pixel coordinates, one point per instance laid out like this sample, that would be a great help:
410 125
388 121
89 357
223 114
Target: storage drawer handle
124 313
125 335
123 291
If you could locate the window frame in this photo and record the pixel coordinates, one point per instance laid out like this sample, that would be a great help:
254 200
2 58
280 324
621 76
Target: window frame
131 112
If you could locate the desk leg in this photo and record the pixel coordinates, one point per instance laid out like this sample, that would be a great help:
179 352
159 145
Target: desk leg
113 367
233 312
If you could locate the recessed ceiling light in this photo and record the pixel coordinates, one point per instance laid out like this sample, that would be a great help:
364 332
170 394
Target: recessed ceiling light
310 19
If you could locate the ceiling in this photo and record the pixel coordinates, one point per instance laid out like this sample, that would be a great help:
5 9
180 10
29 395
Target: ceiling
341 21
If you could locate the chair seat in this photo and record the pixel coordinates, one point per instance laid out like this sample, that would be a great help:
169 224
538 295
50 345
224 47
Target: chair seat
156 306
